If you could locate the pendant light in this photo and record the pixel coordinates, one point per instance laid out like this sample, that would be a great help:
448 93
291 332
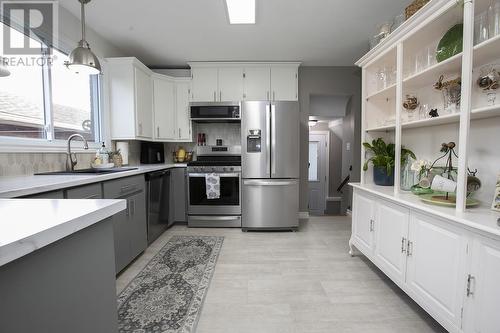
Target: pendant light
82 59
3 71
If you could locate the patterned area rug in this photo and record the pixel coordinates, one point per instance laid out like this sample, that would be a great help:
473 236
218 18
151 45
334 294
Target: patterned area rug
167 295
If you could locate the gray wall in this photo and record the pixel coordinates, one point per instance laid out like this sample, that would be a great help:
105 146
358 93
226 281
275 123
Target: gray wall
331 81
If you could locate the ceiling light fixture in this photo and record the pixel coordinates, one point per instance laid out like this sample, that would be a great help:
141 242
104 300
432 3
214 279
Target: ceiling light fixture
241 11
82 59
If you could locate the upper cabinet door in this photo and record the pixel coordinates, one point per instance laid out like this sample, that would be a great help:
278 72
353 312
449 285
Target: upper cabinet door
143 104
284 83
436 267
257 84
230 84
204 84
164 109
182 111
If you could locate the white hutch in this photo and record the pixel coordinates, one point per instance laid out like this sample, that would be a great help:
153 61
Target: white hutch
446 258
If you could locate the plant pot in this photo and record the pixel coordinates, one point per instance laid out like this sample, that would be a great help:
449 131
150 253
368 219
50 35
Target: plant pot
382 178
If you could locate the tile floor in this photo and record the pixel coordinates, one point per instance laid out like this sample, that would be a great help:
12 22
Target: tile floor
296 282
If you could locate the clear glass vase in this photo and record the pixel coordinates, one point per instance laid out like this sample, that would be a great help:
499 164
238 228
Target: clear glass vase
408 176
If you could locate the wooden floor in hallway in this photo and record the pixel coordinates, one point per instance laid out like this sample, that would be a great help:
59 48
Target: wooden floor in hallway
280 282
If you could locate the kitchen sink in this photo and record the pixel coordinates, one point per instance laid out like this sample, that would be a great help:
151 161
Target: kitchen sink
89 171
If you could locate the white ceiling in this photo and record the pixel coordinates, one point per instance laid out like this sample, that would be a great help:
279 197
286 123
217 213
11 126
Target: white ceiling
172 32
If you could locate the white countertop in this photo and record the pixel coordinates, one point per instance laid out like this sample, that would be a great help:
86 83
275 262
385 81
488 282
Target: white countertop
480 218
30 224
18 186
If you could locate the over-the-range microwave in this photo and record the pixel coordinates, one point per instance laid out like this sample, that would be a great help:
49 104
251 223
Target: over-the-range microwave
215 111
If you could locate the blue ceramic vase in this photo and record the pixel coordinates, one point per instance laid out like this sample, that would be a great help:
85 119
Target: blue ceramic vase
382 178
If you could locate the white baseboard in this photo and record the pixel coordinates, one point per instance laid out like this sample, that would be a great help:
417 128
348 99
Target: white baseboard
303 215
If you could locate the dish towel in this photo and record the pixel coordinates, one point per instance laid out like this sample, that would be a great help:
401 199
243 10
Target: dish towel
212 183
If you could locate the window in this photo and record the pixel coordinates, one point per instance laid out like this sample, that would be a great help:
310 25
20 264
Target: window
313 161
47 101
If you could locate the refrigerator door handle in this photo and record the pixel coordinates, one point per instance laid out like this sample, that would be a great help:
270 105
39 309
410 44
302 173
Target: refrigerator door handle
273 141
268 142
270 183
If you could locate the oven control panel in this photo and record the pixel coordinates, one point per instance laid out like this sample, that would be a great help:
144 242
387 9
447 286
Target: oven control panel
213 169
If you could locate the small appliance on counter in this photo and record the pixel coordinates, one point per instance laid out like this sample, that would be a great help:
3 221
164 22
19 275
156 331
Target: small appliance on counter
215 163
152 152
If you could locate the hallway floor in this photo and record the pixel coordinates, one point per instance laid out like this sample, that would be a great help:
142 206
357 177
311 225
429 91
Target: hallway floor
296 282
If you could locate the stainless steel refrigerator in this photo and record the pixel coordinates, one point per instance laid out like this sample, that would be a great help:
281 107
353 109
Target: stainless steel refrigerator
270 165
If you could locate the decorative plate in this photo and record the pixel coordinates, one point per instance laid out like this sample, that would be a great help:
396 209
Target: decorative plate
439 199
451 43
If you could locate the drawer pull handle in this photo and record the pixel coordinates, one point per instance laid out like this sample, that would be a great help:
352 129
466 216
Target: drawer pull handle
403 245
128 188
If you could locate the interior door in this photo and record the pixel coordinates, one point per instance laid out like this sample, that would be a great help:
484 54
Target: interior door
230 84
143 104
255 140
164 113
317 173
391 234
436 267
257 83
204 84
364 223
284 83
183 129
285 140
484 290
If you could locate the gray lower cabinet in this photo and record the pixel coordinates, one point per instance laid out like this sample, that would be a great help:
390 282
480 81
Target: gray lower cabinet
48 195
91 191
178 194
130 229
66 286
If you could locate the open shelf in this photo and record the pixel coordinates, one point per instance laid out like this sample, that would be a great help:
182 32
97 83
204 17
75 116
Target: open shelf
431 74
386 128
441 120
478 113
487 51
389 92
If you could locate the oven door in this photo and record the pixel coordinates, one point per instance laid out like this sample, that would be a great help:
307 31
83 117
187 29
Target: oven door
229 202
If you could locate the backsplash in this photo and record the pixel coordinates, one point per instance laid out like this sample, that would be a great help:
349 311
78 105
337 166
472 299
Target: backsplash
25 164
228 132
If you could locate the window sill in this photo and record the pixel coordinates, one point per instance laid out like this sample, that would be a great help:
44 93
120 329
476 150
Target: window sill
21 145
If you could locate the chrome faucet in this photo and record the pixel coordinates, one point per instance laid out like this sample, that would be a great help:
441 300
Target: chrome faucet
71 157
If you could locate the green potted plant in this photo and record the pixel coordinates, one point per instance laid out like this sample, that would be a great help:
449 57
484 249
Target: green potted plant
383 160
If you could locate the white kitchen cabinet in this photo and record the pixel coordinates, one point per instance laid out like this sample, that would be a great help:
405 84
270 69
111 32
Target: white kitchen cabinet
436 267
204 84
284 83
143 103
230 84
391 234
364 223
182 116
483 287
257 83
226 82
164 108
131 99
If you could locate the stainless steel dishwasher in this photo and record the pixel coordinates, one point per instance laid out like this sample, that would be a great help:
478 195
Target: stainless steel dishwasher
158 203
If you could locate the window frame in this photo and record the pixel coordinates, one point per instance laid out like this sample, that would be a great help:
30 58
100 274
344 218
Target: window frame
49 144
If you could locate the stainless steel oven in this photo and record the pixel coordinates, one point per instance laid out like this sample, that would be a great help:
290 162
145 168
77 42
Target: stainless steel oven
224 211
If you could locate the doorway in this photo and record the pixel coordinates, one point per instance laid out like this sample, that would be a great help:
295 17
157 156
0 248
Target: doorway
318 171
